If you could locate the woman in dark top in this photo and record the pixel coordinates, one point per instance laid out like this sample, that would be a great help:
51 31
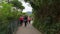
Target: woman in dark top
25 20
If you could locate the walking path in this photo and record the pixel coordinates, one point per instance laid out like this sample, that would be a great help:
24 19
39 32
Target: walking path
27 30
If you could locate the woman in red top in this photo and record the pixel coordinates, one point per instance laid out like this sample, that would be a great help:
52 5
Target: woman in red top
21 20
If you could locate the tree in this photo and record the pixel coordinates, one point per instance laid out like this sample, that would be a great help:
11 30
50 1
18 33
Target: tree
44 9
6 16
17 4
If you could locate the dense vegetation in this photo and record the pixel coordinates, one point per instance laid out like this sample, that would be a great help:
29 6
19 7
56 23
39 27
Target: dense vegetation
7 15
47 15
17 4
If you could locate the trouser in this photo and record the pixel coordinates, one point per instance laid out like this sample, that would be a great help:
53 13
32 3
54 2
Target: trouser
21 22
29 21
25 23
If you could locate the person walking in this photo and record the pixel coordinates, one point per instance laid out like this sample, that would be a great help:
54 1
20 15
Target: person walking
21 20
25 20
29 19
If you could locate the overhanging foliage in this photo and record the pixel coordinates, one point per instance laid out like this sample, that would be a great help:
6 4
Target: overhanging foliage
47 15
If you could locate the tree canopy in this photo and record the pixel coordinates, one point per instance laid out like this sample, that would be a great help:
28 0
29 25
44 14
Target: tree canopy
17 4
47 15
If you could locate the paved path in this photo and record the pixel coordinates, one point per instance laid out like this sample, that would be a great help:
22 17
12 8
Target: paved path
27 30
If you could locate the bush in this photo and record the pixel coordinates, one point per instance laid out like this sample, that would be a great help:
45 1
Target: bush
7 17
46 15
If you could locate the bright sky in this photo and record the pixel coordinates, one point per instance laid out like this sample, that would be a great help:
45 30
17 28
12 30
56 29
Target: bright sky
27 6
